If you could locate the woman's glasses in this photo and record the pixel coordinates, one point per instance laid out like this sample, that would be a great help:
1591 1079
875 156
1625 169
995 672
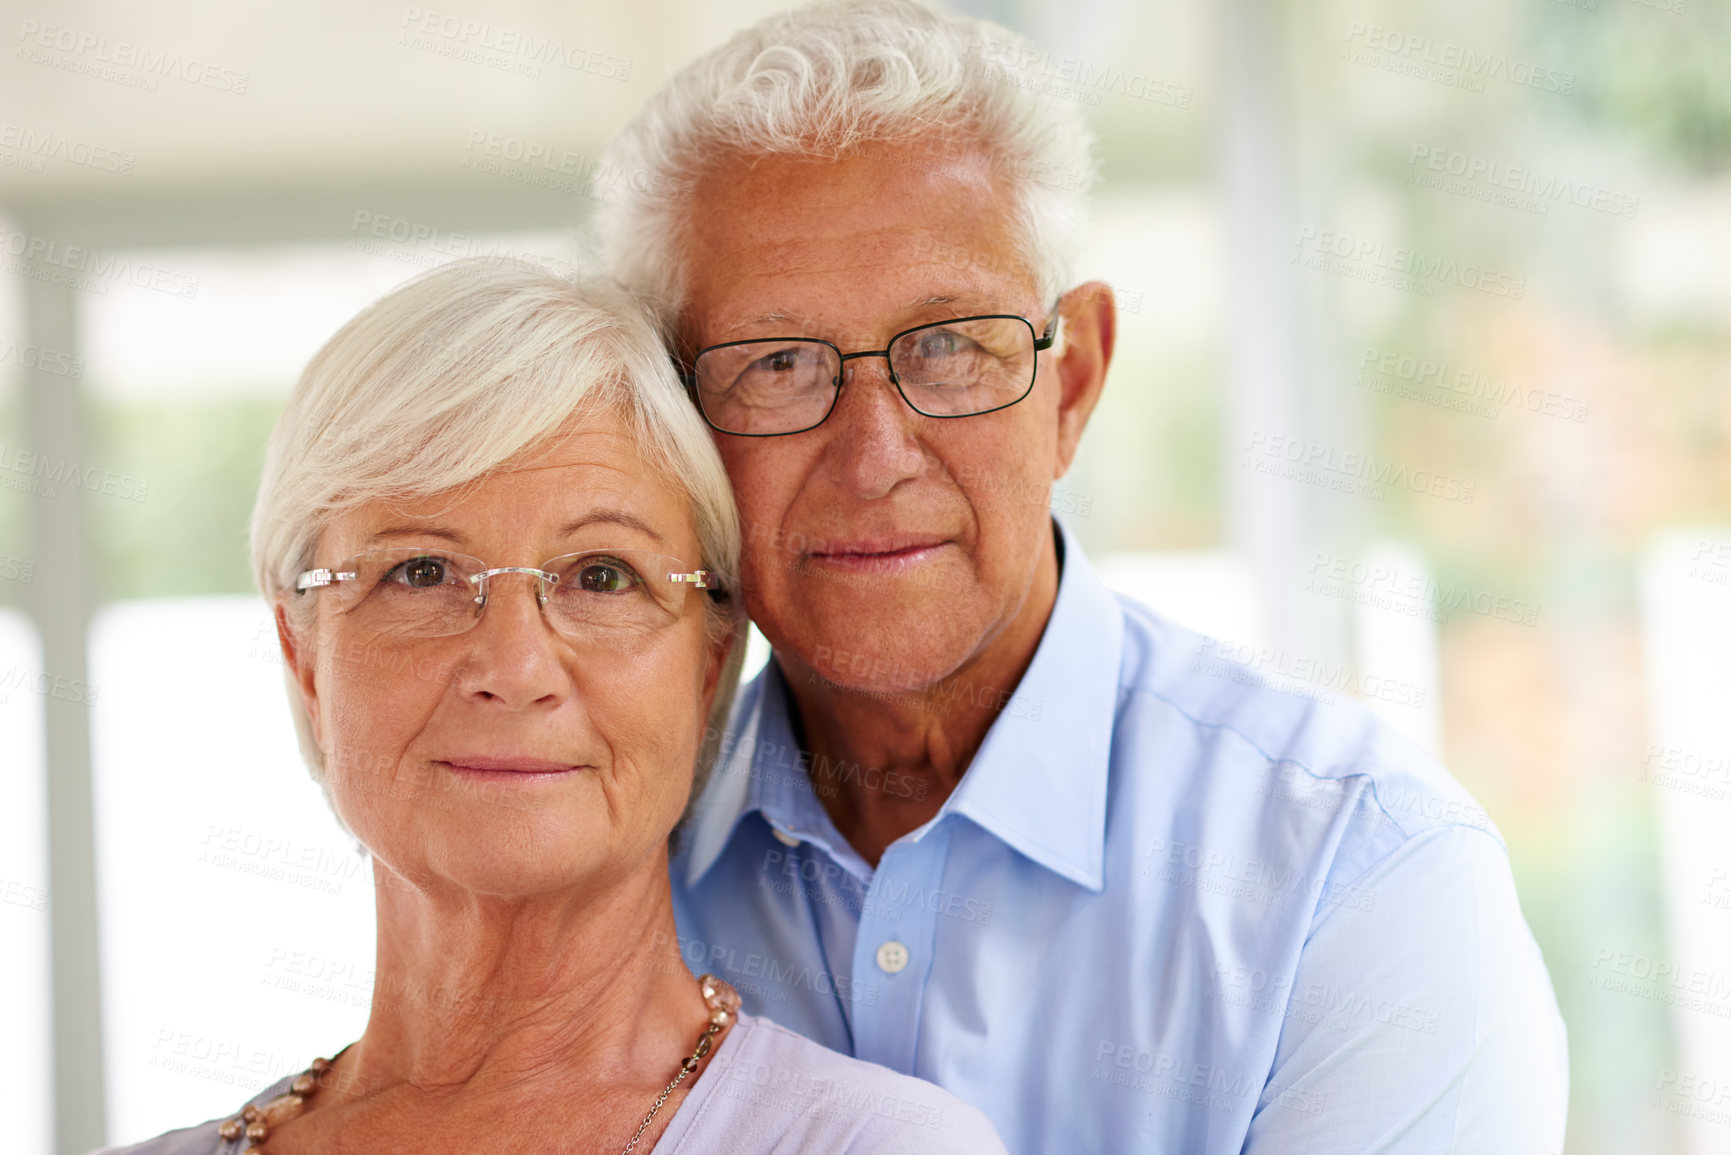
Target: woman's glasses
416 592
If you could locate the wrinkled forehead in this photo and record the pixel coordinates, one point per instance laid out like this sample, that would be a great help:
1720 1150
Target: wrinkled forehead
587 487
871 233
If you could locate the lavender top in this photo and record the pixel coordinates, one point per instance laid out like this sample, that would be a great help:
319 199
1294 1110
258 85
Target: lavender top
766 1091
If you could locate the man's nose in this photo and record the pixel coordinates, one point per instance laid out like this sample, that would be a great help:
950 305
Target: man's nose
874 445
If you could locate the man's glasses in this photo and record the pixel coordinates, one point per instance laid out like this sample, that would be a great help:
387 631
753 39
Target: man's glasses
776 385
433 593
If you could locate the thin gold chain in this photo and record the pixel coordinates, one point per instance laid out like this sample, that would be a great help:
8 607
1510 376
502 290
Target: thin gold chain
686 1067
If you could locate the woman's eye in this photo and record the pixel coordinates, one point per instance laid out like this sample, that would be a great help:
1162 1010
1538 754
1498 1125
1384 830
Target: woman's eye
605 578
422 572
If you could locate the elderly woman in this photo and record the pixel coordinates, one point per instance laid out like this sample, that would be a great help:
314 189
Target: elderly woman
502 554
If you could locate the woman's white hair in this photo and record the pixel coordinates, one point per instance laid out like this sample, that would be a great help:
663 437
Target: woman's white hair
455 375
823 79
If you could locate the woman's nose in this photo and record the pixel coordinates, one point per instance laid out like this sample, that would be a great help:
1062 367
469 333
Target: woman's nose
515 655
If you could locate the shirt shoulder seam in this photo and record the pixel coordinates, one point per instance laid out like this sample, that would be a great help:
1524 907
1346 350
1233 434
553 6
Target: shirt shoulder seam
1406 834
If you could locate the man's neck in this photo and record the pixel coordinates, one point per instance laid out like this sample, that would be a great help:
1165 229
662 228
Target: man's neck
883 764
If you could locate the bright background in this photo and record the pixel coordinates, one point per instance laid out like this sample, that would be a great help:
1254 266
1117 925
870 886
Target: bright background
1265 164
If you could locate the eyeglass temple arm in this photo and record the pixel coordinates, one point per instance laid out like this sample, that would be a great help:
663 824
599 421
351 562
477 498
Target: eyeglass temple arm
1047 339
701 578
314 578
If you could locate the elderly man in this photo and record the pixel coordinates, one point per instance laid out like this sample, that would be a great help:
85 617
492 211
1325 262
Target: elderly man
980 820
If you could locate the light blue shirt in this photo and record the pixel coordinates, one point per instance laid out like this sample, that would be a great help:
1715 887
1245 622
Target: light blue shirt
1168 908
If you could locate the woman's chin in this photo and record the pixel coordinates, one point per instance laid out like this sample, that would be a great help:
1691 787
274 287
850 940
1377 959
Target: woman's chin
483 854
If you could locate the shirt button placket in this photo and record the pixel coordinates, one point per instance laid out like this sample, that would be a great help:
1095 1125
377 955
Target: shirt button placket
893 953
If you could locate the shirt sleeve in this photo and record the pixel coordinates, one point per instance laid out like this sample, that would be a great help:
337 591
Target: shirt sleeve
1421 1018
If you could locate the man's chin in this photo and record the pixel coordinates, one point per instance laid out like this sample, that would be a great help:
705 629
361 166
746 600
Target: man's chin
903 661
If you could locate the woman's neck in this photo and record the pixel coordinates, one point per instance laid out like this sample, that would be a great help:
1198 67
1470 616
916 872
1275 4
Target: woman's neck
475 992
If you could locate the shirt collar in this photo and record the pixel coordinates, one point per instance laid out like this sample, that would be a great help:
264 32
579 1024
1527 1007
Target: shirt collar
1038 782
1039 779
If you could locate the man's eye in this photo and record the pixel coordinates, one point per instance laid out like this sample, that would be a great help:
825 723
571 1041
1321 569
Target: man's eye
939 343
789 359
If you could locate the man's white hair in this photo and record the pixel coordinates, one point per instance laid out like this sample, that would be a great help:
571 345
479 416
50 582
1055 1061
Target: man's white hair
823 79
452 377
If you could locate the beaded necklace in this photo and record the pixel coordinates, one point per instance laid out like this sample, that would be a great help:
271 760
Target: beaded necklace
255 1122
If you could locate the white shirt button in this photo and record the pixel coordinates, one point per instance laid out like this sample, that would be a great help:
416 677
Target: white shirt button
892 957
784 837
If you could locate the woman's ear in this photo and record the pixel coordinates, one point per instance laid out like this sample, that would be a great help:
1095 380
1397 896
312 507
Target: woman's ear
297 658
719 649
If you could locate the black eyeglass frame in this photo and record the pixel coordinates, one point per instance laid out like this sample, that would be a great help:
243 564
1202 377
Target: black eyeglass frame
1042 342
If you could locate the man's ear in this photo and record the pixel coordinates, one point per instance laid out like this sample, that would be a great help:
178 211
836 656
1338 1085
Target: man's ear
1090 328
298 661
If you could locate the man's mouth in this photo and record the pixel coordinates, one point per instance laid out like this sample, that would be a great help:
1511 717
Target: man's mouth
881 555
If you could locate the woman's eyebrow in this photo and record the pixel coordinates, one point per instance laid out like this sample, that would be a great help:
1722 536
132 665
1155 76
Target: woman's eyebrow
596 517
613 517
449 535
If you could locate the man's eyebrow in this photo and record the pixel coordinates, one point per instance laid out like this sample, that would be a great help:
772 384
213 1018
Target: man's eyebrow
772 318
804 324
